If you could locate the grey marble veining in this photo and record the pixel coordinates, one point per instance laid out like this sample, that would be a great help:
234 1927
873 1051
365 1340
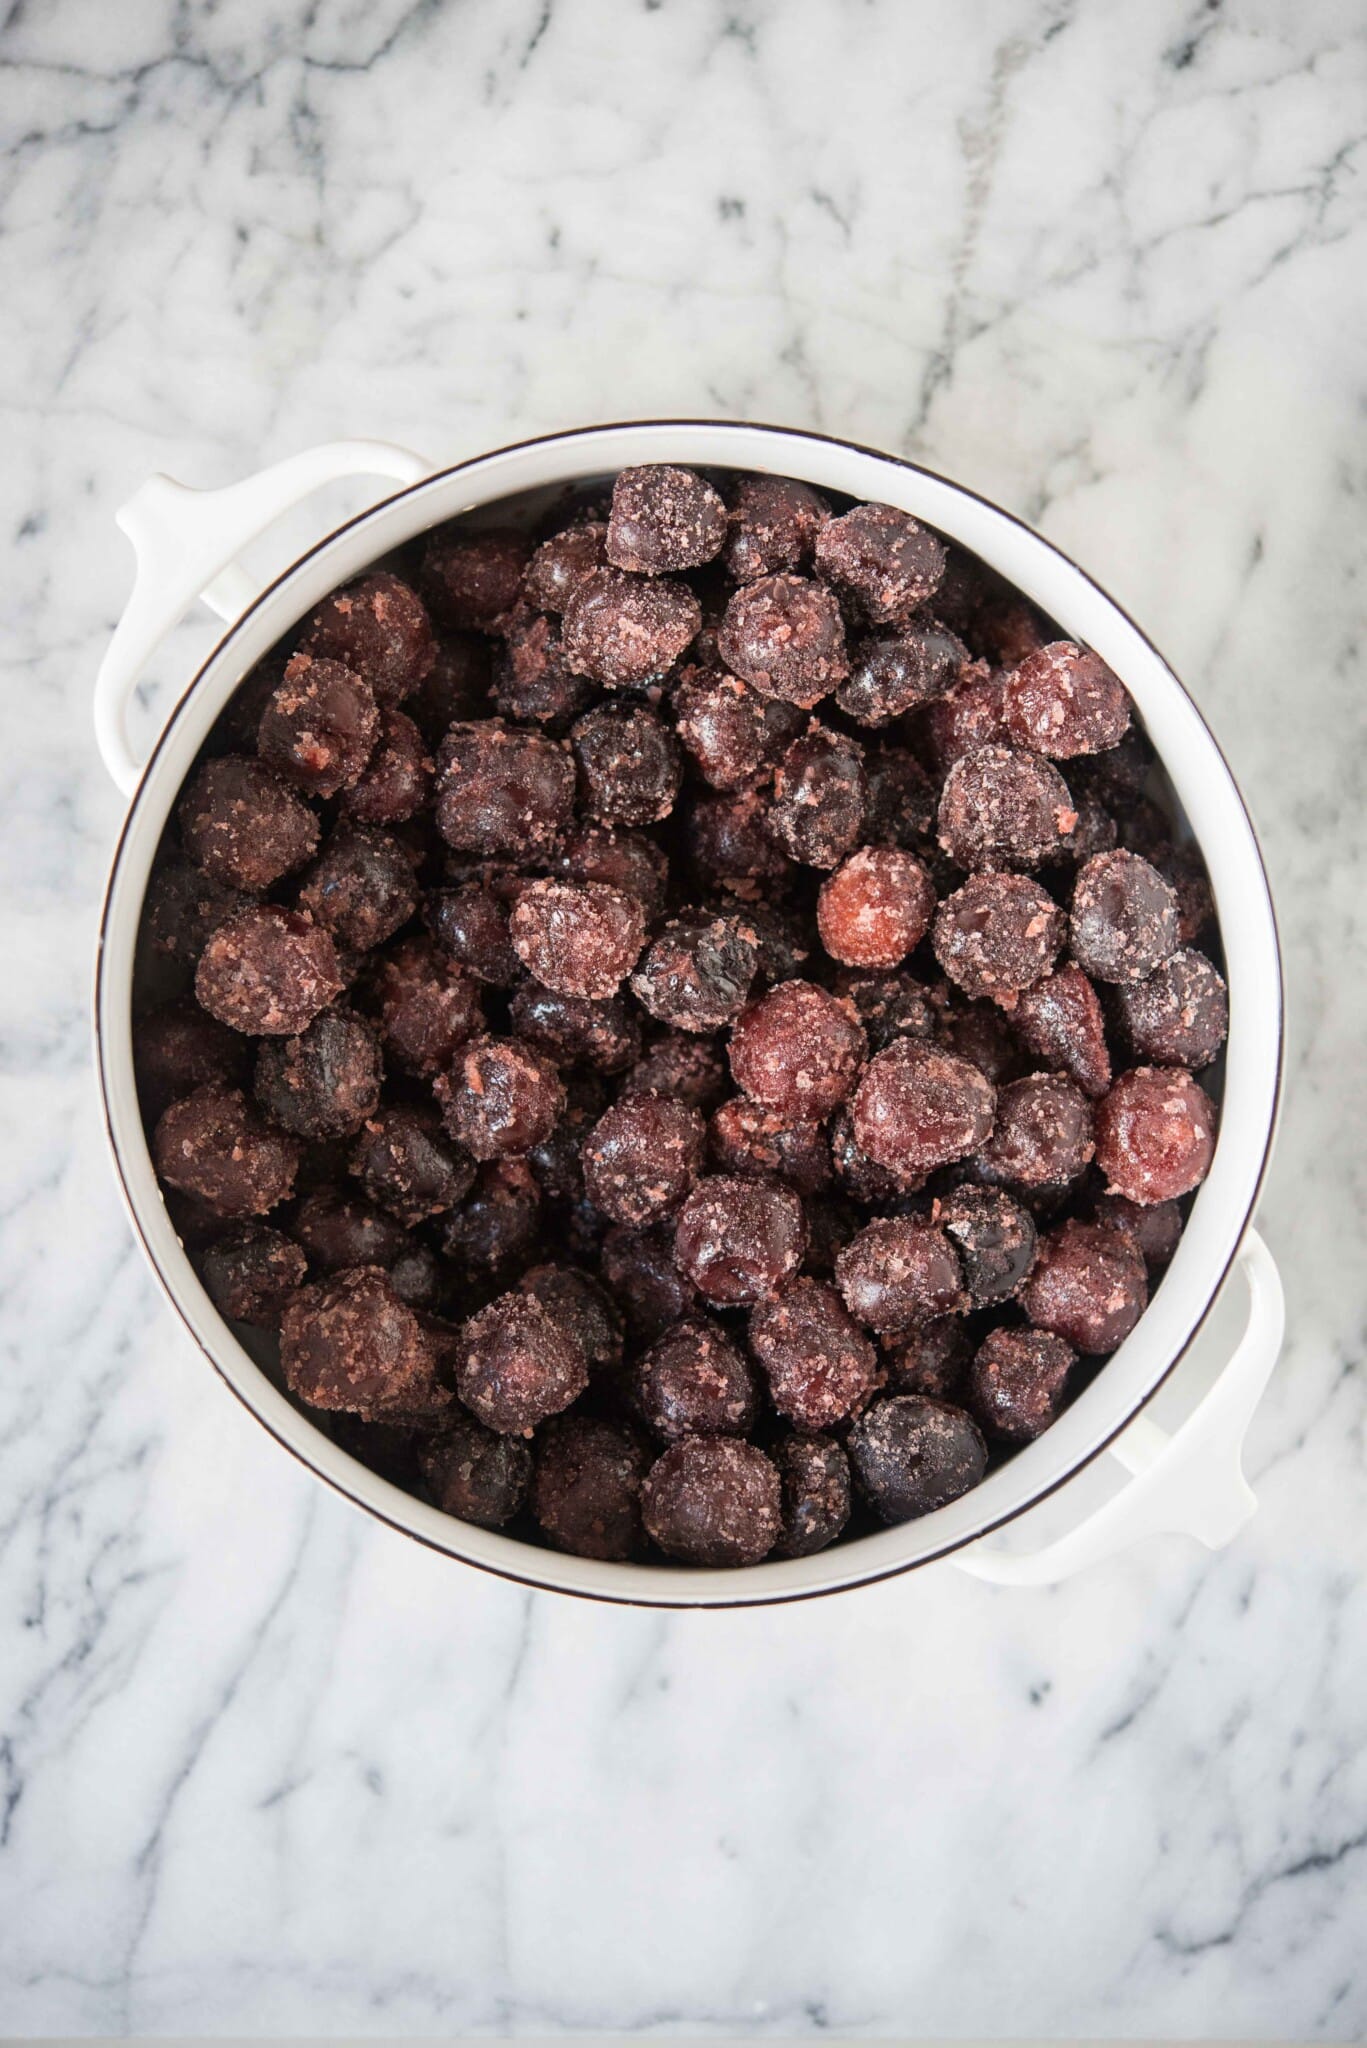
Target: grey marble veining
265 1768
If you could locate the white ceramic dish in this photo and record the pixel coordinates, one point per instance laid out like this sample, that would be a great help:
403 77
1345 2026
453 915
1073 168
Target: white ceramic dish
1187 1478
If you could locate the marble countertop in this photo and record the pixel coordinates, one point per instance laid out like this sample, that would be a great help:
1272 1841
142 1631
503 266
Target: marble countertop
265 1768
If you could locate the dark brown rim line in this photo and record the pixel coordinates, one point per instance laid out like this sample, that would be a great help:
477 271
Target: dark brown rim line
698 1603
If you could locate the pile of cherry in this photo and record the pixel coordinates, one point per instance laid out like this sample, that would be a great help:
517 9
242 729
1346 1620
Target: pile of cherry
685 1024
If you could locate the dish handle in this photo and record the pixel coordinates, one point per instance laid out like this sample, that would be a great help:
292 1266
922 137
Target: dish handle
187 543
1188 1483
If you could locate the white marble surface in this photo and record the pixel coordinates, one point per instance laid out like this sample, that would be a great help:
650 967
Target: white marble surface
265 1768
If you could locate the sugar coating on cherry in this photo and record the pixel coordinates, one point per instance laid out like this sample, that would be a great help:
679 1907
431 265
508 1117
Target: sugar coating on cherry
876 908
1155 1134
918 1107
739 1241
797 1050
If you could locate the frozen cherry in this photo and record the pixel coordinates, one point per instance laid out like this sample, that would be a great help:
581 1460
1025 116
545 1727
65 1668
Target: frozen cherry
517 1365
234 731
417 1277
899 1271
456 689
427 1007
784 634
621 630
470 922
969 717
820 1366
268 971
888 1005
1008 628
501 789
783 938
243 825
639 1270
562 563
1018 1382
831 1222
499 1097
1183 870
911 1455
1124 920
901 806
380 629
1096 830
1121 774
320 726
404 1163
252 1273
730 846
748 1139
995 1239
739 1241
882 558
1141 825
697 973
397 779
556 1161
694 1382
472 579
998 934
1155 1134
630 766
475 1474
1179 1016
1002 808
495 1227
578 938
1059 1022
713 1500
663 518
583 1308
586 1489
1155 1228
179 1047
876 908
323 1083
1043 1136
859 1175
918 1107
183 906
774 522
1063 701
797 1051
722 723
575 1031
349 1342
965 589
338 1231
688 1069
814 1474
423 846
820 796
642 1157
893 673
532 678
978 1033
932 1358
623 860
1089 1286
361 887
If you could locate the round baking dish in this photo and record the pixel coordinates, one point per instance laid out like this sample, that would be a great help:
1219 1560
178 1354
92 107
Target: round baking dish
187 543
